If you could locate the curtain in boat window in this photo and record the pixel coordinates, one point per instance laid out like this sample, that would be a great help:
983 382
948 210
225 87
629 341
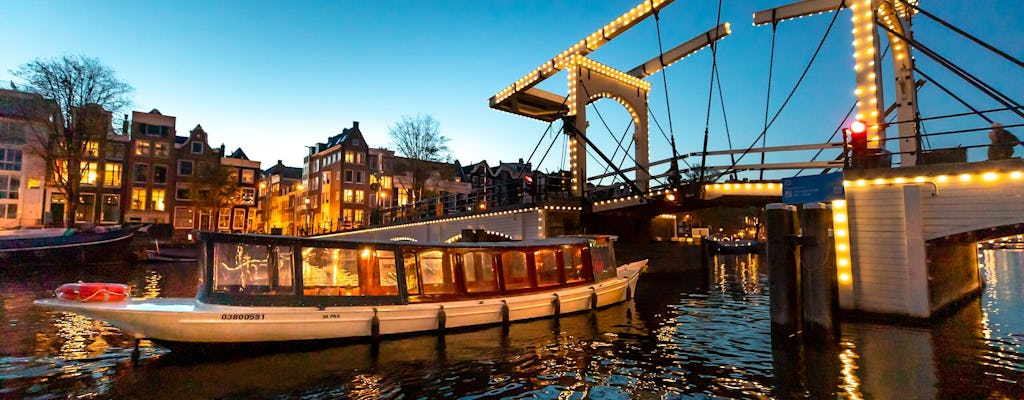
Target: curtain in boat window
513 269
546 267
478 271
572 264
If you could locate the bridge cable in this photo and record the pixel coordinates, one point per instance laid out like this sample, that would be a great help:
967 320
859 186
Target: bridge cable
711 89
554 140
954 96
768 96
603 122
963 33
616 152
674 166
835 132
959 72
833 136
550 124
541 140
658 124
725 119
795 87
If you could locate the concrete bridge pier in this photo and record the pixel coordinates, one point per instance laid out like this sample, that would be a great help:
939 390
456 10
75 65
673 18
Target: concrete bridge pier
913 234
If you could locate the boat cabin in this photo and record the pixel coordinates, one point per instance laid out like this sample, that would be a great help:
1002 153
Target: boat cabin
260 270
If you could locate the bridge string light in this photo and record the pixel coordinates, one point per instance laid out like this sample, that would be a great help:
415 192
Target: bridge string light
451 219
581 48
988 177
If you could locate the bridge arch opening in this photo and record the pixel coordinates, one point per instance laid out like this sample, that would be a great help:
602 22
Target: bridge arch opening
485 236
614 129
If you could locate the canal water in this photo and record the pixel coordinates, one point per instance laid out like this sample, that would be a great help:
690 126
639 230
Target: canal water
703 335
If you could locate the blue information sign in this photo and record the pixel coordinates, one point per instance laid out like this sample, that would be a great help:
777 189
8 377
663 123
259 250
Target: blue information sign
813 188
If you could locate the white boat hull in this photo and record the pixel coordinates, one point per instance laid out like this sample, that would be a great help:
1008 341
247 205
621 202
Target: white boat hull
189 321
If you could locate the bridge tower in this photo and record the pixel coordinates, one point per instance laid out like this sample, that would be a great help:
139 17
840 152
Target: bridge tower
589 81
867 54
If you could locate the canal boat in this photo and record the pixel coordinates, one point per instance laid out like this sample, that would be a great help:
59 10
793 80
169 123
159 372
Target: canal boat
729 246
259 288
60 245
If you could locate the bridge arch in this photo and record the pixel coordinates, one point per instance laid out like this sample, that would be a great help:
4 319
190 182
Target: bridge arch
487 236
590 81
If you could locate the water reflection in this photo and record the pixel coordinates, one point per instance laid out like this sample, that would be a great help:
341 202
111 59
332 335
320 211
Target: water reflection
687 335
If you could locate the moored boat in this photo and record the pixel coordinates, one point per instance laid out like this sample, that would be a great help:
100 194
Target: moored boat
739 246
172 254
46 246
257 288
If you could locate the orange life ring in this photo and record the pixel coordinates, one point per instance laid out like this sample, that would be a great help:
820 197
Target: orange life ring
93 292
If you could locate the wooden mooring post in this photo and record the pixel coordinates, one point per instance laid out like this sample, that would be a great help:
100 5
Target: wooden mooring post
783 274
802 273
819 282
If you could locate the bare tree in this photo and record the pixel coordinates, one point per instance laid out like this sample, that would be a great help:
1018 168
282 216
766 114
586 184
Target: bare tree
214 187
80 93
420 141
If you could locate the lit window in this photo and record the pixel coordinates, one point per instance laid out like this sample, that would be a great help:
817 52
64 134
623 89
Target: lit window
138 199
142 148
248 176
92 149
88 173
238 223
156 200
160 149
112 174
248 196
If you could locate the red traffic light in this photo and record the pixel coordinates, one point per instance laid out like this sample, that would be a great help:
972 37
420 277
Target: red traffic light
856 136
858 127
528 179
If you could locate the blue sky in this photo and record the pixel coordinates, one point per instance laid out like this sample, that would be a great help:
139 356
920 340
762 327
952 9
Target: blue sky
273 76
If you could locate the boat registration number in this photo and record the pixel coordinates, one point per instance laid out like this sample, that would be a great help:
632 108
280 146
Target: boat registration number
243 317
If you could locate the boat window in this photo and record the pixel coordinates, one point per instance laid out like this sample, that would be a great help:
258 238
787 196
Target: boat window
412 282
572 261
513 267
385 275
252 269
438 276
330 272
603 259
478 268
285 266
546 266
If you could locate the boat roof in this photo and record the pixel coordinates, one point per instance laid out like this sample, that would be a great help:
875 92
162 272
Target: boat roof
555 241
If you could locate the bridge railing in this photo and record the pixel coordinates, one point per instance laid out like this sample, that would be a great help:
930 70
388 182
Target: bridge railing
485 199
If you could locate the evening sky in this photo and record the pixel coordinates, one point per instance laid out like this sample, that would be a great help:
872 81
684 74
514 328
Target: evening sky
272 77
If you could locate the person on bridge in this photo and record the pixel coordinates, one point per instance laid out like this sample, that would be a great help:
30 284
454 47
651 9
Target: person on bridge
1002 143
